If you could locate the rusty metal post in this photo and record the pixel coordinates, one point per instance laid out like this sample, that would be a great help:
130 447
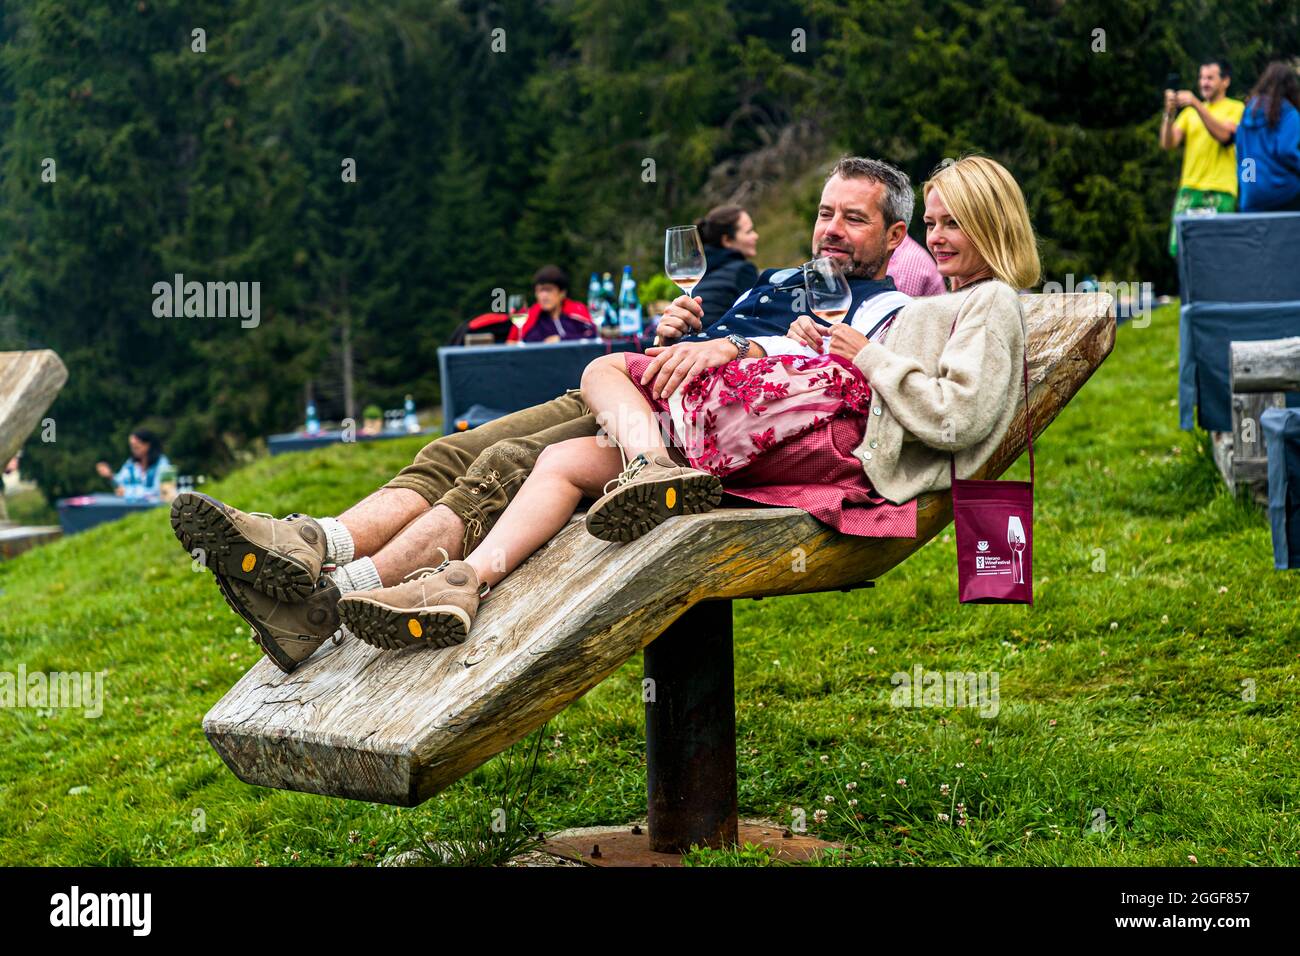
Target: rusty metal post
690 729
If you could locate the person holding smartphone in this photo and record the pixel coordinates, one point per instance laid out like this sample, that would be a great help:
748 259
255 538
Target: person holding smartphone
1206 129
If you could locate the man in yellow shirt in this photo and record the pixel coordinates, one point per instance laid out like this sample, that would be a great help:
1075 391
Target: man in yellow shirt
1206 127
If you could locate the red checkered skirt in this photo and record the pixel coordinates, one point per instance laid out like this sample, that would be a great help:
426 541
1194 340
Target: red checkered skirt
781 431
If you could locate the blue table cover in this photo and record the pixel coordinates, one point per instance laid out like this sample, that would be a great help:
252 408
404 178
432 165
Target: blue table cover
85 511
1240 279
506 378
303 441
1239 257
1281 428
1205 333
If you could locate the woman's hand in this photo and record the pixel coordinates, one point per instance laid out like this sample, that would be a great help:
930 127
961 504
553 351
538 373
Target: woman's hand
103 470
806 332
846 341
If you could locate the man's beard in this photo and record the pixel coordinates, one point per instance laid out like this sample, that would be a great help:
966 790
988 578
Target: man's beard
867 268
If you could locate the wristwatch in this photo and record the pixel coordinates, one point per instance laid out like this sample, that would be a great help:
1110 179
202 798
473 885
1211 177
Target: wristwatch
740 342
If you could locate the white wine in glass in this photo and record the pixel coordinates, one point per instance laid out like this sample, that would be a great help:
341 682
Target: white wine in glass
684 258
518 314
829 295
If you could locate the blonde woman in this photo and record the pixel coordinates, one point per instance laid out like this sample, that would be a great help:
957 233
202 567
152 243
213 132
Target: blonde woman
852 434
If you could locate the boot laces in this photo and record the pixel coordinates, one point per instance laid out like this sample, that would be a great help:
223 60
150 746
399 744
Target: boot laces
421 572
630 470
483 589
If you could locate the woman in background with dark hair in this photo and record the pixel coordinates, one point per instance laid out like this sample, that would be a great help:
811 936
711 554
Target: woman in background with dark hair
1268 144
730 242
141 474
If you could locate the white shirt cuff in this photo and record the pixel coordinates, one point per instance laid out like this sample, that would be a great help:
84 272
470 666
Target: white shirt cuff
782 345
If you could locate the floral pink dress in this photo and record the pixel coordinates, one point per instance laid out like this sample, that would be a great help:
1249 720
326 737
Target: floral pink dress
781 431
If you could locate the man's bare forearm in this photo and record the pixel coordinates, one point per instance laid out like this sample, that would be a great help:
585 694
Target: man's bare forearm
1220 130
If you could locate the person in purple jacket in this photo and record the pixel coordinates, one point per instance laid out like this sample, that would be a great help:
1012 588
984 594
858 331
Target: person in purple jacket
1268 144
554 317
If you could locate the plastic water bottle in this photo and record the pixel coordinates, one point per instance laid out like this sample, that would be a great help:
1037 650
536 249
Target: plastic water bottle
629 306
595 304
409 420
609 315
313 421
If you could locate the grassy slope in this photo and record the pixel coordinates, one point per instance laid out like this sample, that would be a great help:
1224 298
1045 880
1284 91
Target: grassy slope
1120 689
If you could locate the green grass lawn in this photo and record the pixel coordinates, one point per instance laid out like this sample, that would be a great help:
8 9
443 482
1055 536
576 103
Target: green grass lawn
1121 691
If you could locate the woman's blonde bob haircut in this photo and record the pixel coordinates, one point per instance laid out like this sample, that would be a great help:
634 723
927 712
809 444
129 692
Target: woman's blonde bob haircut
989 207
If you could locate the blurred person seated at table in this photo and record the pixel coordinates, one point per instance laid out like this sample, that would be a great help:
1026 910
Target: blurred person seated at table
1268 143
554 317
141 475
730 242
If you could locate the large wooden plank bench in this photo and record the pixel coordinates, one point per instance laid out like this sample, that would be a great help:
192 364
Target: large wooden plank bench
398 727
16 539
29 381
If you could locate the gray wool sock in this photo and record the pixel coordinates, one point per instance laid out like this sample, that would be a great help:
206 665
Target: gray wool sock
358 575
339 548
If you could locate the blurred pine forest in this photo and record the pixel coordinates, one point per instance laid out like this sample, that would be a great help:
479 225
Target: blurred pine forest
489 138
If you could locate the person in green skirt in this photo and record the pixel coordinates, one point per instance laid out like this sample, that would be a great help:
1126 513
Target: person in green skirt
1206 127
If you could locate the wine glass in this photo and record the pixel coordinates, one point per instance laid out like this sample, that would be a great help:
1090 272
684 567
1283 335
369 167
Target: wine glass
684 258
829 295
518 314
1016 541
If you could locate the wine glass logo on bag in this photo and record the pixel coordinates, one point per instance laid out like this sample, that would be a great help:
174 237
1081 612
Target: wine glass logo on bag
1016 541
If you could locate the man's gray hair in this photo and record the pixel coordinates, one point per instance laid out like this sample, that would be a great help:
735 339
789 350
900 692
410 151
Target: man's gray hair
900 200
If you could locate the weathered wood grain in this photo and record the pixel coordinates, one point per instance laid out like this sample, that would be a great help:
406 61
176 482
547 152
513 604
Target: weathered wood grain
1271 365
397 727
28 383
1259 374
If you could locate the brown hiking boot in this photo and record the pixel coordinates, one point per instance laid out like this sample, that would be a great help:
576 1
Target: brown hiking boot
432 606
648 491
280 557
288 633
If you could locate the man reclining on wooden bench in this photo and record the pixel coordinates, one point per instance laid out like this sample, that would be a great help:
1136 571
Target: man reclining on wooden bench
286 577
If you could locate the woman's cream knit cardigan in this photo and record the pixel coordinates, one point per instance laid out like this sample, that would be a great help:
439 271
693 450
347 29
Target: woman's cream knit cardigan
933 394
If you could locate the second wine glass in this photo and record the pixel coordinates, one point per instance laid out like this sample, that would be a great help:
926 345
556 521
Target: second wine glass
829 295
684 258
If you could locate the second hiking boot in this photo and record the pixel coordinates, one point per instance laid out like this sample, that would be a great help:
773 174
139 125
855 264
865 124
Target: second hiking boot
288 633
436 606
280 557
647 492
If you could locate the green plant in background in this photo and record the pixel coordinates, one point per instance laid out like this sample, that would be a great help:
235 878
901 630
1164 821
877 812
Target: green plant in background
657 288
